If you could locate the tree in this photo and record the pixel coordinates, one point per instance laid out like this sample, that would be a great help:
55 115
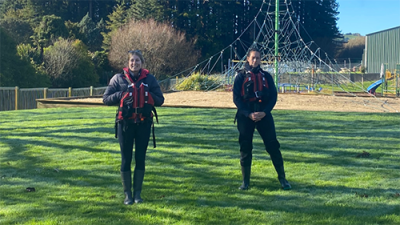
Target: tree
18 9
17 71
146 9
90 33
353 49
165 49
318 18
75 10
20 30
69 65
50 28
116 20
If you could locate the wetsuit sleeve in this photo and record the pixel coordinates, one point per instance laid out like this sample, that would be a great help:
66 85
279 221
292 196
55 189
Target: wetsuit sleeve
243 108
156 92
273 94
112 95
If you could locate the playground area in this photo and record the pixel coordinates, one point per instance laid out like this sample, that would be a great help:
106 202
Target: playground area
214 99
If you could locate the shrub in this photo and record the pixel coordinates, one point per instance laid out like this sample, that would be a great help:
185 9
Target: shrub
198 82
165 50
69 65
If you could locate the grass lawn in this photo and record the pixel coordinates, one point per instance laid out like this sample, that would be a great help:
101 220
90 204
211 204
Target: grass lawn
71 158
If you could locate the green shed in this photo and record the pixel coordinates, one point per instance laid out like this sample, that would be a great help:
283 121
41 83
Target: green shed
382 47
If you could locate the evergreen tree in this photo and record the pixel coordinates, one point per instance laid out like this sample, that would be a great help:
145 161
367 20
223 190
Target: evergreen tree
50 28
139 10
318 18
19 9
90 33
20 30
116 20
17 71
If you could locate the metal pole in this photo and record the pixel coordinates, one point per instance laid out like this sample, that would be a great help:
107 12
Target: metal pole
228 75
222 63
383 79
397 86
276 42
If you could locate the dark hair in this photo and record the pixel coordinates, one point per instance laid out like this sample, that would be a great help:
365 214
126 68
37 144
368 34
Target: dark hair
137 53
254 49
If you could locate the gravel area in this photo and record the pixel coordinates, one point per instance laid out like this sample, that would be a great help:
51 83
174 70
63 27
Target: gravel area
308 102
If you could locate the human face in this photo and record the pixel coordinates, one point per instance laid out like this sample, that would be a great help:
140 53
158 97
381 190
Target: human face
135 64
254 59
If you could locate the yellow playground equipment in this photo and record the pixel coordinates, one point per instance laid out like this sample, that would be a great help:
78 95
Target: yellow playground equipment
392 82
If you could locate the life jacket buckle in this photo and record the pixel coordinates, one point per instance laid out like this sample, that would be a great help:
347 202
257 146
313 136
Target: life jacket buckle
258 94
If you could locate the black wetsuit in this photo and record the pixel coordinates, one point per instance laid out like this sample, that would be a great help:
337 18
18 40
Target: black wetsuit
265 126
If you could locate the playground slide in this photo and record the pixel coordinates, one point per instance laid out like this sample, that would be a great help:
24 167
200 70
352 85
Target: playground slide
374 86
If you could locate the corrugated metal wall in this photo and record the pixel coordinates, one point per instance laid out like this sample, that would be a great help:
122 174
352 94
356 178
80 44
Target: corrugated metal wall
382 47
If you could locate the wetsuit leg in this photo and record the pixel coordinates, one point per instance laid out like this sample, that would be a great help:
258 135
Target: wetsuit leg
126 140
266 129
141 143
246 130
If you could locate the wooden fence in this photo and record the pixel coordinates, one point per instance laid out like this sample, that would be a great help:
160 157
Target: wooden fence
25 98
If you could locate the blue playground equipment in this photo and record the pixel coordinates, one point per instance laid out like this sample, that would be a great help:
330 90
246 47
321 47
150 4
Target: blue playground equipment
372 88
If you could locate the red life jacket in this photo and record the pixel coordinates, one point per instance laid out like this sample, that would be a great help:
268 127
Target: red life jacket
254 87
136 104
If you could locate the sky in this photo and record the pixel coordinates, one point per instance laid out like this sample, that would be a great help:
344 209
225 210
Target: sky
367 16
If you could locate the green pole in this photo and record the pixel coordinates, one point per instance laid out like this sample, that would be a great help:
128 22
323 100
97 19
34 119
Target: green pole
276 42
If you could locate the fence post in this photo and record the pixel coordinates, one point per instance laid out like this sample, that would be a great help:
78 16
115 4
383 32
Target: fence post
44 93
69 92
91 90
16 97
362 80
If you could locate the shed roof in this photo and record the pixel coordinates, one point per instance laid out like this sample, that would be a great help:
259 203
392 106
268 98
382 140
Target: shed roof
383 31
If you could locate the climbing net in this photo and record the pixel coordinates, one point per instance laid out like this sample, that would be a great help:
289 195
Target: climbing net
302 66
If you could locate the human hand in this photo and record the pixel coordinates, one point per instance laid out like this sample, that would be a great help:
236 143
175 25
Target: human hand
252 116
257 116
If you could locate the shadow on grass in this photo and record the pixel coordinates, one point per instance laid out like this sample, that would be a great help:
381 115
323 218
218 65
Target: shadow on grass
194 170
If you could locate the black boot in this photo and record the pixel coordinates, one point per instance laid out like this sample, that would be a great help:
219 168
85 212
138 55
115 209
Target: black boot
137 185
282 178
127 184
246 170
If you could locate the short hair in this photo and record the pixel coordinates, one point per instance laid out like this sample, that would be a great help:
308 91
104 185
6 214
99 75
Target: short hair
138 53
254 49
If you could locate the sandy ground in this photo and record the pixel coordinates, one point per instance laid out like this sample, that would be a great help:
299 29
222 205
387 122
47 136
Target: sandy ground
285 101
289 102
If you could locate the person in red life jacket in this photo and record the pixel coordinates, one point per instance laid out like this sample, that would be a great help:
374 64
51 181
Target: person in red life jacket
136 92
255 95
